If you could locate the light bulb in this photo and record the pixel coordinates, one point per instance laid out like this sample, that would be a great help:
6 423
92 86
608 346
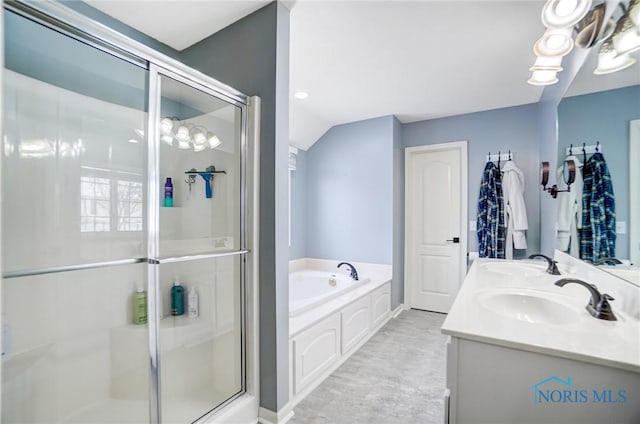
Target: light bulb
564 13
199 147
184 144
554 42
547 63
213 140
198 136
166 124
610 61
182 133
167 139
543 78
626 38
565 7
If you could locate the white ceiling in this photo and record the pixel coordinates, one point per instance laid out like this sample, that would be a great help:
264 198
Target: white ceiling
178 23
363 59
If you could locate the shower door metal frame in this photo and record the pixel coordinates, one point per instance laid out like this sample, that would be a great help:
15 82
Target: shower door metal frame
62 19
153 253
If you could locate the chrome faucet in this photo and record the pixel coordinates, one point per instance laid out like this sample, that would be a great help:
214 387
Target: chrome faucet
552 268
352 270
599 306
608 261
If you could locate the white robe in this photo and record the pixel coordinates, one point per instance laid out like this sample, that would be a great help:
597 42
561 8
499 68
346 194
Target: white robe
515 211
569 211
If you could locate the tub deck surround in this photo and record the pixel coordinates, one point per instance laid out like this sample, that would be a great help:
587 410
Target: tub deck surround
308 289
578 337
324 336
377 275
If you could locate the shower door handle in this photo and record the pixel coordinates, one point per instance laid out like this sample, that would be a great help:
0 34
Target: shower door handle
455 240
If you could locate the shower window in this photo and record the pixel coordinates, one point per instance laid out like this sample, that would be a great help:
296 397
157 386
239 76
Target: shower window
99 214
130 205
95 204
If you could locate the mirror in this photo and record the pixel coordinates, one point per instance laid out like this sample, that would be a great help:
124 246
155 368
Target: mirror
602 112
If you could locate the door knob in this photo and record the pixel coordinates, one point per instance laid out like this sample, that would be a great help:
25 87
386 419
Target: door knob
455 240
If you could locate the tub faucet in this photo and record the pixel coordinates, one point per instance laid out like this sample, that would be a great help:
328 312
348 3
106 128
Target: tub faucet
352 270
607 261
599 306
552 268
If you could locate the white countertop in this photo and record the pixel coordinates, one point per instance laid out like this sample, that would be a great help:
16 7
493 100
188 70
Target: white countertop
609 343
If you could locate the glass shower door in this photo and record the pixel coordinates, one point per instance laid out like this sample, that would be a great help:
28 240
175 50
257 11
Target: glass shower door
197 254
73 231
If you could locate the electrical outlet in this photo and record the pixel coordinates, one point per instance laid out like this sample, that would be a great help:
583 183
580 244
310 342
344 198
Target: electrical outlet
473 226
621 227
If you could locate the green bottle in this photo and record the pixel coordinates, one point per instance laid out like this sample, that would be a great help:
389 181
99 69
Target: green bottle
140 307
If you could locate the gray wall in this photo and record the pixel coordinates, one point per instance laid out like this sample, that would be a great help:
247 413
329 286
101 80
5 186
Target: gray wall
547 145
298 247
603 117
397 287
350 193
514 128
251 55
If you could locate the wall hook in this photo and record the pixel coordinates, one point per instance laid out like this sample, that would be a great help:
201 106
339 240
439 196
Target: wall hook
191 179
597 146
571 150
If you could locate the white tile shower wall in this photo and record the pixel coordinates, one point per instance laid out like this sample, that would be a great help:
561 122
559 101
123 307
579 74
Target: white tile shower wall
62 346
53 138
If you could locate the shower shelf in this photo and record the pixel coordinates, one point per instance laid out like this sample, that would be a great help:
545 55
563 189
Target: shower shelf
204 172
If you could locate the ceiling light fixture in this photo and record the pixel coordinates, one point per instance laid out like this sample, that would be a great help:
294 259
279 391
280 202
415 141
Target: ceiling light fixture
301 95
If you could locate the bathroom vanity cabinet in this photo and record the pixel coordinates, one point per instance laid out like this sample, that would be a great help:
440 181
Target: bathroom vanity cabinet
487 383
523 350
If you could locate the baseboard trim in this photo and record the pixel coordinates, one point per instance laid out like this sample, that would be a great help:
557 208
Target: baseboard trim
267 416
401 307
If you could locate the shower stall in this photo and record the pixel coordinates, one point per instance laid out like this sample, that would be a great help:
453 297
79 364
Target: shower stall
125 237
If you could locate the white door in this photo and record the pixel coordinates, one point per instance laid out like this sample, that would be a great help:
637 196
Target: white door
435 224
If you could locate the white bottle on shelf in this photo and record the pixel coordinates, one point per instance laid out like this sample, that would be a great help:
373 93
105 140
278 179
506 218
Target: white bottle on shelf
192 303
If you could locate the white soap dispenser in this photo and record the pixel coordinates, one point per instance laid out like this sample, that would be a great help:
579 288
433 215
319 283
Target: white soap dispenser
192 303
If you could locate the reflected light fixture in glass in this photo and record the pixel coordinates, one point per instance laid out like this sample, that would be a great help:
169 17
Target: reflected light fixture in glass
610 61
626 37
213 140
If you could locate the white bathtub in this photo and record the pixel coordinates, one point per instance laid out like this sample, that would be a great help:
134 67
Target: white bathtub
308 289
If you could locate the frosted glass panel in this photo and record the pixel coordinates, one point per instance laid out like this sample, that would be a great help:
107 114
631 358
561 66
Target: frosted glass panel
71 351
73 165
197 132
201 354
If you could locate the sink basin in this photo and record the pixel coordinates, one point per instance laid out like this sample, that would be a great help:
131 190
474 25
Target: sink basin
530 307
517 269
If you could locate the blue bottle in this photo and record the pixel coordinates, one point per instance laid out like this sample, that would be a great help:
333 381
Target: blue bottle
168 193
177 299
